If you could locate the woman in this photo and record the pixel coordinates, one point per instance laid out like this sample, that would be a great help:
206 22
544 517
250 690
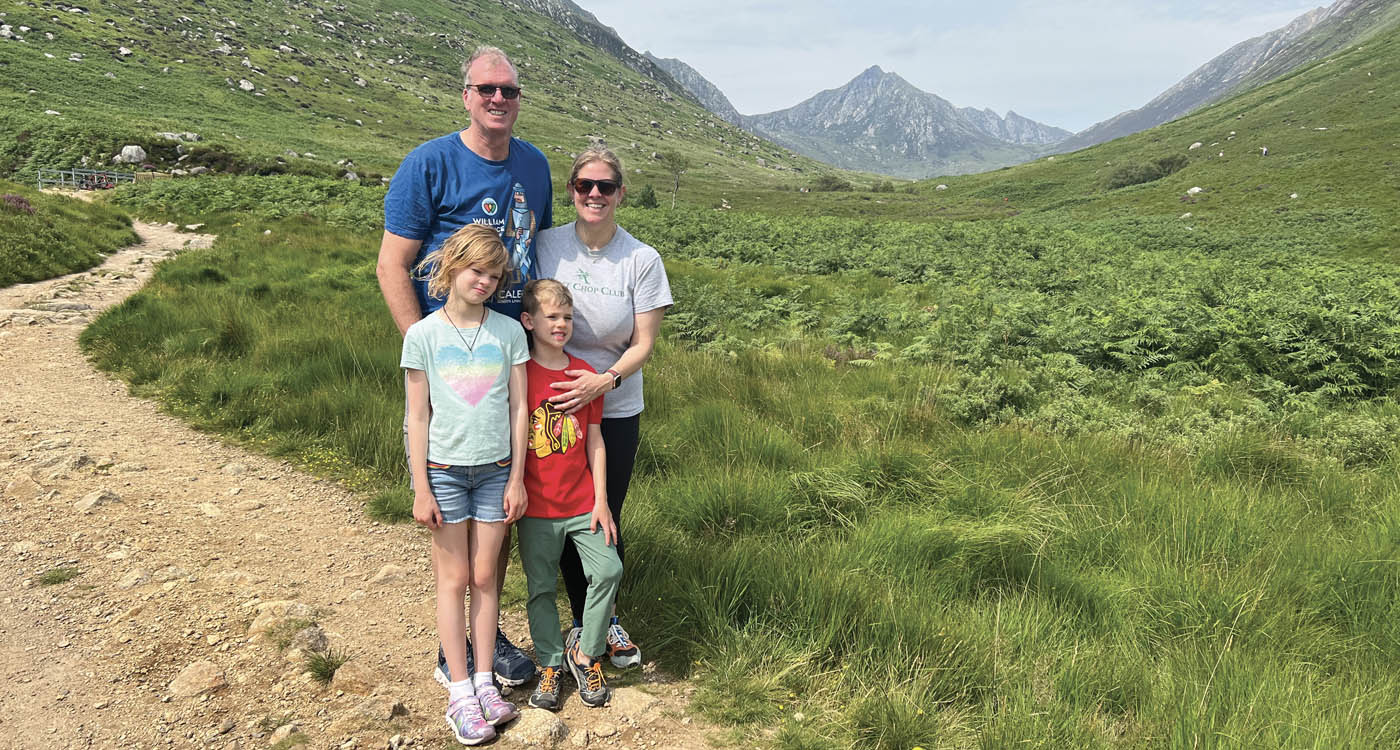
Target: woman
620 294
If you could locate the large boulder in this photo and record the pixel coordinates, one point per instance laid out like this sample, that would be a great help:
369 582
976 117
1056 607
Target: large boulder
132 155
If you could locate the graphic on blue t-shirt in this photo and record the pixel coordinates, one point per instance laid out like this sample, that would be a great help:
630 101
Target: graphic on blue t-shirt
470 374
519 231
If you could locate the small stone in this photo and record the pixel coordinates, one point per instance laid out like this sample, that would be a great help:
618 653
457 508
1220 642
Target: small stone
211 510
603 729
537 727
310 638
633 703
389 574
133 578
235 469
283 732
227 726
355 677
199 678
96 498
381 708
249 505
24 488
127 467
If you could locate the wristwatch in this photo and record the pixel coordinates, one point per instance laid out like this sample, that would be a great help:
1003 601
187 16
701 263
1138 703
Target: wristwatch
617 379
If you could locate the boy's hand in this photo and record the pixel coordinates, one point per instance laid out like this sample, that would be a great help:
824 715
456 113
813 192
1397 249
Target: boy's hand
426 511
516 500
601 518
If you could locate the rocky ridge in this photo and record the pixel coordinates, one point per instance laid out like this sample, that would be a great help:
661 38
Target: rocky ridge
1251 63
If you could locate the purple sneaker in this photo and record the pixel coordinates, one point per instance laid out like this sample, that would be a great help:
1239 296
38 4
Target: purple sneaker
468 725
495 709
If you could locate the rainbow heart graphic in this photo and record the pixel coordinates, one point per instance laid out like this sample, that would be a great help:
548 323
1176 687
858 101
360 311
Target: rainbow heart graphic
471 374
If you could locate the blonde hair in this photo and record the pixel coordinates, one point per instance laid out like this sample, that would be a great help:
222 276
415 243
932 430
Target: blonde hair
594 153
544 290
472 245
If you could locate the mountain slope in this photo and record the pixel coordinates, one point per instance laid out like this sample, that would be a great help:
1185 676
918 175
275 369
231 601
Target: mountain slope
881 123
1249 64
700 87
1312 154
301 87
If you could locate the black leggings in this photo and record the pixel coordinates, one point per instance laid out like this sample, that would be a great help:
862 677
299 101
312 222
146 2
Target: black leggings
620 437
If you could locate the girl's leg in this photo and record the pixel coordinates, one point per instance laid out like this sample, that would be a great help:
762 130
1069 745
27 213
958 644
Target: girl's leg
452 575
621 437
486 539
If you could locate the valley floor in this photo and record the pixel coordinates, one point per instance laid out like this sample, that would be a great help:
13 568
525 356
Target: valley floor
196 558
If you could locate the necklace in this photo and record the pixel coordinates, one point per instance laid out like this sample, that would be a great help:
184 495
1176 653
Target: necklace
479 325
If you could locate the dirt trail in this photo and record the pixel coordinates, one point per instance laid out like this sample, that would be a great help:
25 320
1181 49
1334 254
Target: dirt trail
190 553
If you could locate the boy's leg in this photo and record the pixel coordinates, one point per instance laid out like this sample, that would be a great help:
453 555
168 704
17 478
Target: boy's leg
603 569
540 542
621 437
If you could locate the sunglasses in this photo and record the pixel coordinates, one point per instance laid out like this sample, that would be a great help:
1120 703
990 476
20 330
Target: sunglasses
584 186
489 90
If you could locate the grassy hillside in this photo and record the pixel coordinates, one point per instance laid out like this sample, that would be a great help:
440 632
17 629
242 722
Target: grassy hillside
42 236
1331 131
360 80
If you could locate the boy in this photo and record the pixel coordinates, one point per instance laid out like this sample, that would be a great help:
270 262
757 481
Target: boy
565 480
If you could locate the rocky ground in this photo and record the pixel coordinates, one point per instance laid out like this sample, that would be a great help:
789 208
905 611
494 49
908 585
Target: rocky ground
160 588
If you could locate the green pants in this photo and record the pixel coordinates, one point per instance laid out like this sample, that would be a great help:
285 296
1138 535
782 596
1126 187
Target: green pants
541 542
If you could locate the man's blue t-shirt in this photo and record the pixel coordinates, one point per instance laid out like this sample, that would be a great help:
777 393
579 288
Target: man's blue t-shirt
442 186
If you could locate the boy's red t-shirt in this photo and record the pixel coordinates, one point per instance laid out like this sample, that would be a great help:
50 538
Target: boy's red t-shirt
557 478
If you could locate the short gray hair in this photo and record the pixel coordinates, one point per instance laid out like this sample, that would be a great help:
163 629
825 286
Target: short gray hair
486 51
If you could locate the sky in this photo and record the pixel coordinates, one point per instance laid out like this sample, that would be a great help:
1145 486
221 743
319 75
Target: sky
1069 63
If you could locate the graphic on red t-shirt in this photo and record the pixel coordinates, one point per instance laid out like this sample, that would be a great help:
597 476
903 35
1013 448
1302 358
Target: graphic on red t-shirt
557 477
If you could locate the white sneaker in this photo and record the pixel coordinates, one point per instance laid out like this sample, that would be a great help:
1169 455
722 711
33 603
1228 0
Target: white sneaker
622 652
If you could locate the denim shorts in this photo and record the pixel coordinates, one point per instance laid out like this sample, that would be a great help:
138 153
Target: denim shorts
471 492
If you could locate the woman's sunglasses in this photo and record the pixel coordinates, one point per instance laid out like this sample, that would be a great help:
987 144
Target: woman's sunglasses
488 90
584 186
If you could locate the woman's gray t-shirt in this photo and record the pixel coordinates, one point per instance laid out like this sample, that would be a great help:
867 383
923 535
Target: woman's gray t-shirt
624 278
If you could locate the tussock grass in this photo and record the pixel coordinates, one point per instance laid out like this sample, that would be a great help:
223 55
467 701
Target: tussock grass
60 574
61 235
322 665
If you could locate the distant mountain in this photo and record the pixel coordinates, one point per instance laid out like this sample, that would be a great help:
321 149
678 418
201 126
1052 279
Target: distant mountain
700 87
881 123
1311 36
589 29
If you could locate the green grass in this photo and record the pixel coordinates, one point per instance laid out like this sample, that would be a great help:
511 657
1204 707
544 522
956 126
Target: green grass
322 666
61 235
60 574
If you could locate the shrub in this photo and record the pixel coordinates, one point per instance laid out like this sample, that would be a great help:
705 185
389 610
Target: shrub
644 198
16 203
1137 174
830 183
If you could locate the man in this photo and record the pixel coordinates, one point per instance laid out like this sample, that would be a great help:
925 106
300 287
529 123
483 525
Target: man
479 175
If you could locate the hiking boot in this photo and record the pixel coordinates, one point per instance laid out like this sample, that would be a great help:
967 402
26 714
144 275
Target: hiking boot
512 666
546 693
443 675
622 652
468 725
592 688
495 709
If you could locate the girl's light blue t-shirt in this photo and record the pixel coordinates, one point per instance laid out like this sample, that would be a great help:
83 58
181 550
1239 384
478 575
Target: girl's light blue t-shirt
468 385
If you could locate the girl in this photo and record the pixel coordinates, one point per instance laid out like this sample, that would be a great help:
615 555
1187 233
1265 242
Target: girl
465 377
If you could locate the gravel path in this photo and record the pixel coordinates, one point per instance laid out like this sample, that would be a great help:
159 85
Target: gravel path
192 559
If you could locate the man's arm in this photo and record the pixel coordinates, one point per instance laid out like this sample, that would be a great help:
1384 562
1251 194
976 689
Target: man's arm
395 268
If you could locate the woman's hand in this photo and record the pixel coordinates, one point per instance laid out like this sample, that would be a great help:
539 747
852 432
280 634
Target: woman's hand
516 500
425 509
601 518
580 391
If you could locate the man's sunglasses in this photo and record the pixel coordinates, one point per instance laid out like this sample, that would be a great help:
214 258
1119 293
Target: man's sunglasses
488 90
584 186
